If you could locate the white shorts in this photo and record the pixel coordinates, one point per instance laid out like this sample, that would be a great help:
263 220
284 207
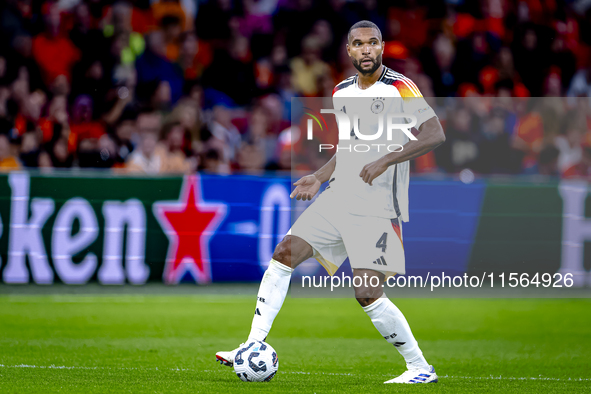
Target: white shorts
369 242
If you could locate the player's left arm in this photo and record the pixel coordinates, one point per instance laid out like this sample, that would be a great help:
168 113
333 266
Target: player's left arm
431 136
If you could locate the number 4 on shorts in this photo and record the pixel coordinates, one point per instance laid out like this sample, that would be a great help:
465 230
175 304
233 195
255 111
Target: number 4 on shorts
382 242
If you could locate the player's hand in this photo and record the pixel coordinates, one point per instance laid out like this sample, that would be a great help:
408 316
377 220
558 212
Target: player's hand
306 188
373 170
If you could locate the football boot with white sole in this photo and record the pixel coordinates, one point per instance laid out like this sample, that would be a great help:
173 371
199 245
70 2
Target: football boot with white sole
416 375
227 358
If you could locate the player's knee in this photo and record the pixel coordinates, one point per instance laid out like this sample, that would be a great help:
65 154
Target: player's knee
366 301
282 252
366 295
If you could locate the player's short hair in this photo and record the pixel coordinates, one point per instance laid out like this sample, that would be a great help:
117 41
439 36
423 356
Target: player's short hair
364 24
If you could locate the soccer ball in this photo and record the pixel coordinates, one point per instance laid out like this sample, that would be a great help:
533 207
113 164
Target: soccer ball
256 361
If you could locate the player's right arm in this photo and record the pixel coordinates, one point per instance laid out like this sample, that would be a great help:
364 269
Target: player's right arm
326 171
308 186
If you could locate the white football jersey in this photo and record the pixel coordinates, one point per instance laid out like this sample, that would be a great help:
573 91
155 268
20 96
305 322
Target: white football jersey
388 196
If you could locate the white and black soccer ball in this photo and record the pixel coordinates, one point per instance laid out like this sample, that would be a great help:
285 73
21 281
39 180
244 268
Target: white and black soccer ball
256 361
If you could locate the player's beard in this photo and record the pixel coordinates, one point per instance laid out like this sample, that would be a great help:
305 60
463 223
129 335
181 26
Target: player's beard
376 64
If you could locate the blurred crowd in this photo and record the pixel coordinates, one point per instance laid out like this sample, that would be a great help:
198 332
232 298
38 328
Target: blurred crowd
505 135
177 86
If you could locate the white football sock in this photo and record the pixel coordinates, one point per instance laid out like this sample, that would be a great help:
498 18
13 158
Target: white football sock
270 298
390 322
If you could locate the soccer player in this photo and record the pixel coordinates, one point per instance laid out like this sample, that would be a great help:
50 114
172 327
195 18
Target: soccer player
359 216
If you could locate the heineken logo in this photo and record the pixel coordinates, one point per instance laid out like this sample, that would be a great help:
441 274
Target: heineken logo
189 224
114 230
70 247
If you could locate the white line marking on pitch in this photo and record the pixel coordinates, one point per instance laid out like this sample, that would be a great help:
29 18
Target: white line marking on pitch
516 378
297 373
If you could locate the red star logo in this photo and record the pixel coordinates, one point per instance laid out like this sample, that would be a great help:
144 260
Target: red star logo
188 223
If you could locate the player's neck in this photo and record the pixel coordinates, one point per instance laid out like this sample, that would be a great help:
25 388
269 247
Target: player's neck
366 81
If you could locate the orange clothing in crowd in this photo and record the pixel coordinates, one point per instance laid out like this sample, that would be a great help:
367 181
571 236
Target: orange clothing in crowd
202 59
20 124
465 24
414 25
81 131
530 129
426 163
55 56
9 163
45 124
142 21
172 51
166 8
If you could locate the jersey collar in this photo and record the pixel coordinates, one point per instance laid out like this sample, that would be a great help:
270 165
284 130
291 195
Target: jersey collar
384 71
380 79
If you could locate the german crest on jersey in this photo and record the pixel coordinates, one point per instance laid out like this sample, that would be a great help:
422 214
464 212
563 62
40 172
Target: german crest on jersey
377 105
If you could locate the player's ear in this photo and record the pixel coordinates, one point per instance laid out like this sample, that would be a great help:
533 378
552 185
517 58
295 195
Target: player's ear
348 50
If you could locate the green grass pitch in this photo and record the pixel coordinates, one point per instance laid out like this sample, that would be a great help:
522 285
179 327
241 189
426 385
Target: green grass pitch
166 344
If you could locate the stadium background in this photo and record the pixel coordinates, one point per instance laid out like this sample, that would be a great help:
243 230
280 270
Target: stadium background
149 142
95 94
82 82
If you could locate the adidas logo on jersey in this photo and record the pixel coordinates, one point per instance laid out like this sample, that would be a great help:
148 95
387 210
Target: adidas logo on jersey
380 261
